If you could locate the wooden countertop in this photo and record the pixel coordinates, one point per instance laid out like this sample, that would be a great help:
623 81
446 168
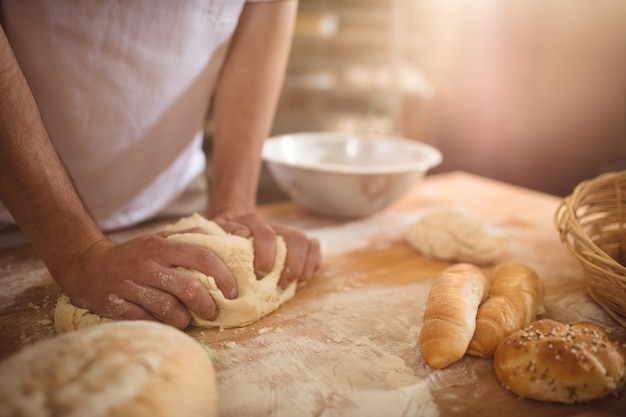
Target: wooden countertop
347 344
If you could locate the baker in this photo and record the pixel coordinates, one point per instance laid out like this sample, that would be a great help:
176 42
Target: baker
102 106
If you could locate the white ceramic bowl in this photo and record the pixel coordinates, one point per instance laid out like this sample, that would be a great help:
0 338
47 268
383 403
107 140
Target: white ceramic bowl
346 175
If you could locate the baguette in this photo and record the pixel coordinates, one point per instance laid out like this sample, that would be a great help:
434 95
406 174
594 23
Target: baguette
515 299
450 314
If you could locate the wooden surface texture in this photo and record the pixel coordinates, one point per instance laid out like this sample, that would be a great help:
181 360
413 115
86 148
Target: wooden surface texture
347 344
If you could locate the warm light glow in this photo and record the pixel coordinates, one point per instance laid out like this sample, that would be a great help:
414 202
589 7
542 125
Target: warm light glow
289 149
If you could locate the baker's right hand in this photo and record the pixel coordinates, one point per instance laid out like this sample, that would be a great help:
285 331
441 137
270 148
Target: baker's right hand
138 280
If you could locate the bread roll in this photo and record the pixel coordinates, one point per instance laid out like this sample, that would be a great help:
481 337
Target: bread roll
551 361
127 368
450 314
515 299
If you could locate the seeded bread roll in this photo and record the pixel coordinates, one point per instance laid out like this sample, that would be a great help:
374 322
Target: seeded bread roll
450 314
126 368
552 361
515 299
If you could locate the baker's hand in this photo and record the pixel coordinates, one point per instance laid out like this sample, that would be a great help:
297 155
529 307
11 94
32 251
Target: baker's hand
303 253
138 280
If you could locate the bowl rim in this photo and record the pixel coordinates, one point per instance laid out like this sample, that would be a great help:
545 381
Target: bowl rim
432 155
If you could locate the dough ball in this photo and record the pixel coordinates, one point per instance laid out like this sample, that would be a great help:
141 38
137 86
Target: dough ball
256 299
552 361
68 317
130 368
453 236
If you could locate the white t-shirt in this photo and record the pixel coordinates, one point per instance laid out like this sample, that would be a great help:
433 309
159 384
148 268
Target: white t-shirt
123 88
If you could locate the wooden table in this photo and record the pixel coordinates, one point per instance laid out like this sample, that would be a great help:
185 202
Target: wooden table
347 344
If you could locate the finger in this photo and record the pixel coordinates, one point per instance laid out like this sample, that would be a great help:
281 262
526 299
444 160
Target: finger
161 305
188 290
294 265
304 261
234 228
298 248
313 261
120 309
203 260
264 249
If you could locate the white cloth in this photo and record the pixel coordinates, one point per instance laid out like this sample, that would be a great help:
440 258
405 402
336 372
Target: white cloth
123 88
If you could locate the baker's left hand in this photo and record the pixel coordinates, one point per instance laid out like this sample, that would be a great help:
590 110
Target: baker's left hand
303 253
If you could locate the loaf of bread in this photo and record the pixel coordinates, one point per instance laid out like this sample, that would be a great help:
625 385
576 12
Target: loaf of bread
127 368
552 361
450 314
515 299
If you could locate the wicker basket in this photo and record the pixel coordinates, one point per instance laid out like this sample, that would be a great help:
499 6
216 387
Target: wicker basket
592 224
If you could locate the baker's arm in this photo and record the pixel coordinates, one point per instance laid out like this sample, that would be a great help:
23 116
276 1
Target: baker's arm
245 102
135 280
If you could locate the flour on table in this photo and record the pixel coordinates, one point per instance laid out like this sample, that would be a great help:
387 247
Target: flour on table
453 236
340 366
256 298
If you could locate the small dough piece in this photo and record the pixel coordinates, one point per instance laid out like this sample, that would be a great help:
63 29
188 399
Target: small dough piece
126 368
452 236
552 361
68 317
515 299
256 299
450 314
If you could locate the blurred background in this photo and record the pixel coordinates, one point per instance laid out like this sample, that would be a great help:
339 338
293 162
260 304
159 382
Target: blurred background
531 92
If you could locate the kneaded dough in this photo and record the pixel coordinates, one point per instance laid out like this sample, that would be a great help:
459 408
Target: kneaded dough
256 299
453 236
126 368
